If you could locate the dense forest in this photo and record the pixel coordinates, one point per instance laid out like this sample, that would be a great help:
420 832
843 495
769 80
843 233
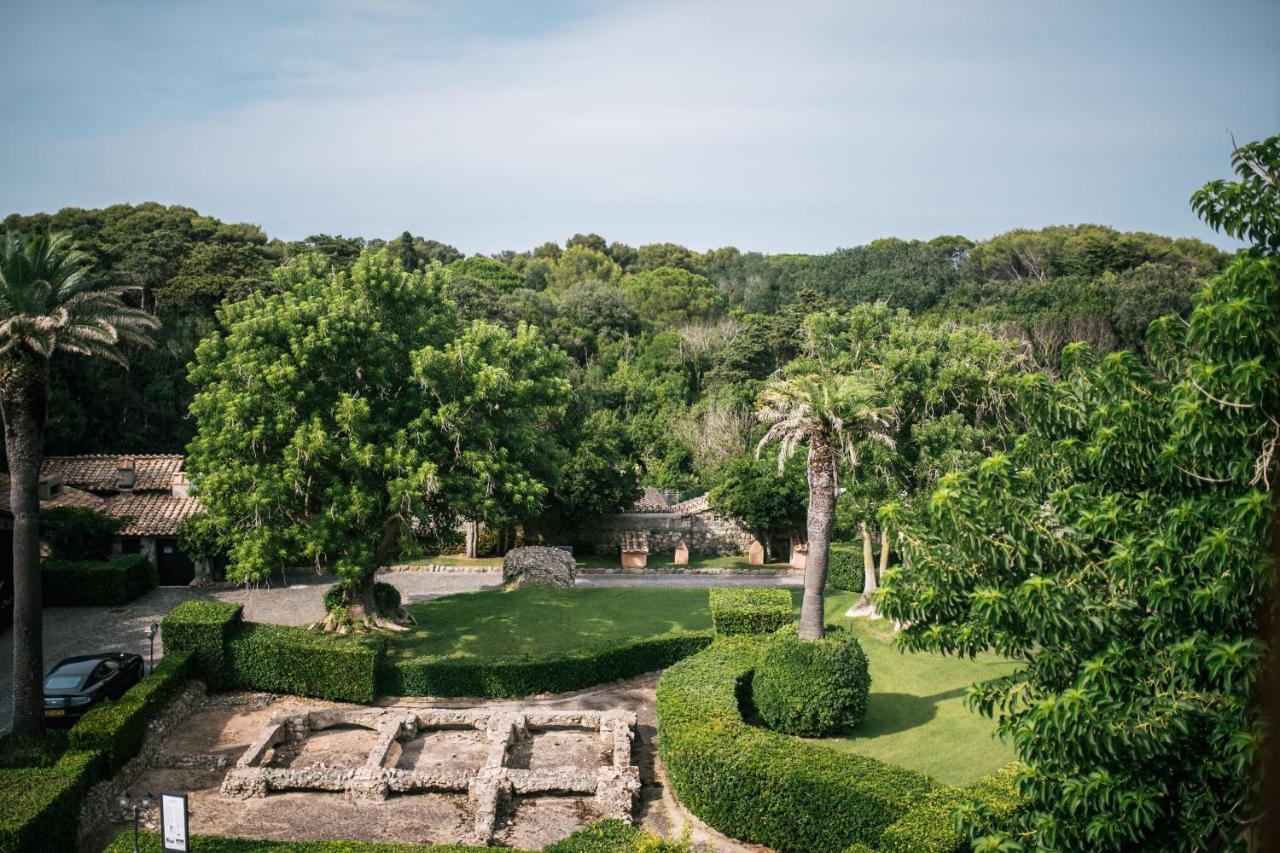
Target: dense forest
668 347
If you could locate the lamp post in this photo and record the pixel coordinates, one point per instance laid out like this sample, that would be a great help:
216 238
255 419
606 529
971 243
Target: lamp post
127 804
151 632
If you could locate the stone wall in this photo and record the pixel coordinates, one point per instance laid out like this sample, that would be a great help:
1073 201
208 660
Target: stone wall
704 532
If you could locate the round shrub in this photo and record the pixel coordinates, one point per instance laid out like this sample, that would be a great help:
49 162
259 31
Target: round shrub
812 688
387 596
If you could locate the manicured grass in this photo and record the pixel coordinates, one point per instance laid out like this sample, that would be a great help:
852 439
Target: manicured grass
454 560
657 562
541 620
917 717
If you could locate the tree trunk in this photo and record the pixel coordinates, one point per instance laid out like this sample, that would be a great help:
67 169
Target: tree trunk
868 563
473 539
884 551
22 401
822 516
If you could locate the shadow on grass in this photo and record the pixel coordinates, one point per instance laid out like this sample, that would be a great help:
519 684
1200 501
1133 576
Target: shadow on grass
890 713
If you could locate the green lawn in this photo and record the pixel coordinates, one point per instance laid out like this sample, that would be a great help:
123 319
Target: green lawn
539 620
917 717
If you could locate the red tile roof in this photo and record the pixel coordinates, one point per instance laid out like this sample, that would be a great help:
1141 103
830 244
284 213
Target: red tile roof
693 506
66 496
151 514
98 473
651 500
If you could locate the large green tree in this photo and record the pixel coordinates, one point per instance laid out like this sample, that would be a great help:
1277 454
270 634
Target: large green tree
48 304
350 407
1118 553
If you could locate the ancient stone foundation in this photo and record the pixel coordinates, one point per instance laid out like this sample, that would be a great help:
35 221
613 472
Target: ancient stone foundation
613 781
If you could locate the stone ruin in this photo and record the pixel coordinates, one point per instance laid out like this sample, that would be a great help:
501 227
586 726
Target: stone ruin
502 763
539 565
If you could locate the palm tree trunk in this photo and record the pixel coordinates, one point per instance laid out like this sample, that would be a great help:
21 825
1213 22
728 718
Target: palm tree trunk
22 402
868 563
884 550
822 516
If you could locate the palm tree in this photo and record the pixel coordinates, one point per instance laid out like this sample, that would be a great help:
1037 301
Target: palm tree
831 414
47 304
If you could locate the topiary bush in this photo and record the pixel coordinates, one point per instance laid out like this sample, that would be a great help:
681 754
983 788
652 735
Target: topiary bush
281 659
762 786
812 688
77 533
40 806
844 566
90 583
943 821
203 628
749 610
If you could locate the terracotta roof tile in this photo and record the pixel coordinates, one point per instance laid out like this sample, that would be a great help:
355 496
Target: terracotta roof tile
651 500
66 496
98 473
693 506
151 514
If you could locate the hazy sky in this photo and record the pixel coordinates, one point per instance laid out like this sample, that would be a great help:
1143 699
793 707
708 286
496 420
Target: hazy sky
788 126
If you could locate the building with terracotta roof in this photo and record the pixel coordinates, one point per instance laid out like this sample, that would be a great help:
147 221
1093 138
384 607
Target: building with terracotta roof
148 492
666 528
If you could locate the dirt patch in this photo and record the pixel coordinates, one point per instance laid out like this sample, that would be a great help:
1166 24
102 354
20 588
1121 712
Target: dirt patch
465 748
534 822
558 748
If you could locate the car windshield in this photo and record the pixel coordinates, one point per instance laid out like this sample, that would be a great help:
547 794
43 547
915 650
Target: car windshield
62 682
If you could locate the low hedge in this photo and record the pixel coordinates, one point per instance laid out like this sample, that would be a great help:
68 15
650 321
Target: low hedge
40 806
281 659
90 583
765 787
203 628
932 826
513 677
749 610
117 729
845 568
606 836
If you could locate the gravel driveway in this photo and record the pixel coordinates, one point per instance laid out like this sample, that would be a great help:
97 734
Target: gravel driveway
72 631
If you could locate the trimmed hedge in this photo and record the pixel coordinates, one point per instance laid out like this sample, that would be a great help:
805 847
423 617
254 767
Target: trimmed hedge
90 583
117 729
513 677
844 566
40 806
931 827
812 688
749 610
203 628
765 787
281 659
606 836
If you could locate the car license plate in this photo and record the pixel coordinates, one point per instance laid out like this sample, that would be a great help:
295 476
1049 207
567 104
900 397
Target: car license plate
55 712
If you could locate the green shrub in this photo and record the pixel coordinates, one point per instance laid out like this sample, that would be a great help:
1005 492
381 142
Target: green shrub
935 825
91 583
40 806
812 688
386 595
513 677
845 566
749 610
117 729
77 533
614 836
761 786
203 628
281 659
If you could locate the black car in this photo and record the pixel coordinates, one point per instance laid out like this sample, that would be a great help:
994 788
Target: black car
77 684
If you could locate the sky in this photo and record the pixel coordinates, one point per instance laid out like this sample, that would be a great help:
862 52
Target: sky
779 127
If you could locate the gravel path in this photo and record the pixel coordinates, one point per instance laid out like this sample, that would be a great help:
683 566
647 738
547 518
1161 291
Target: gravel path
72 631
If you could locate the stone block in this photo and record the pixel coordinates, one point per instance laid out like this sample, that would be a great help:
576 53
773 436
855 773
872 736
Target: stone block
536 564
